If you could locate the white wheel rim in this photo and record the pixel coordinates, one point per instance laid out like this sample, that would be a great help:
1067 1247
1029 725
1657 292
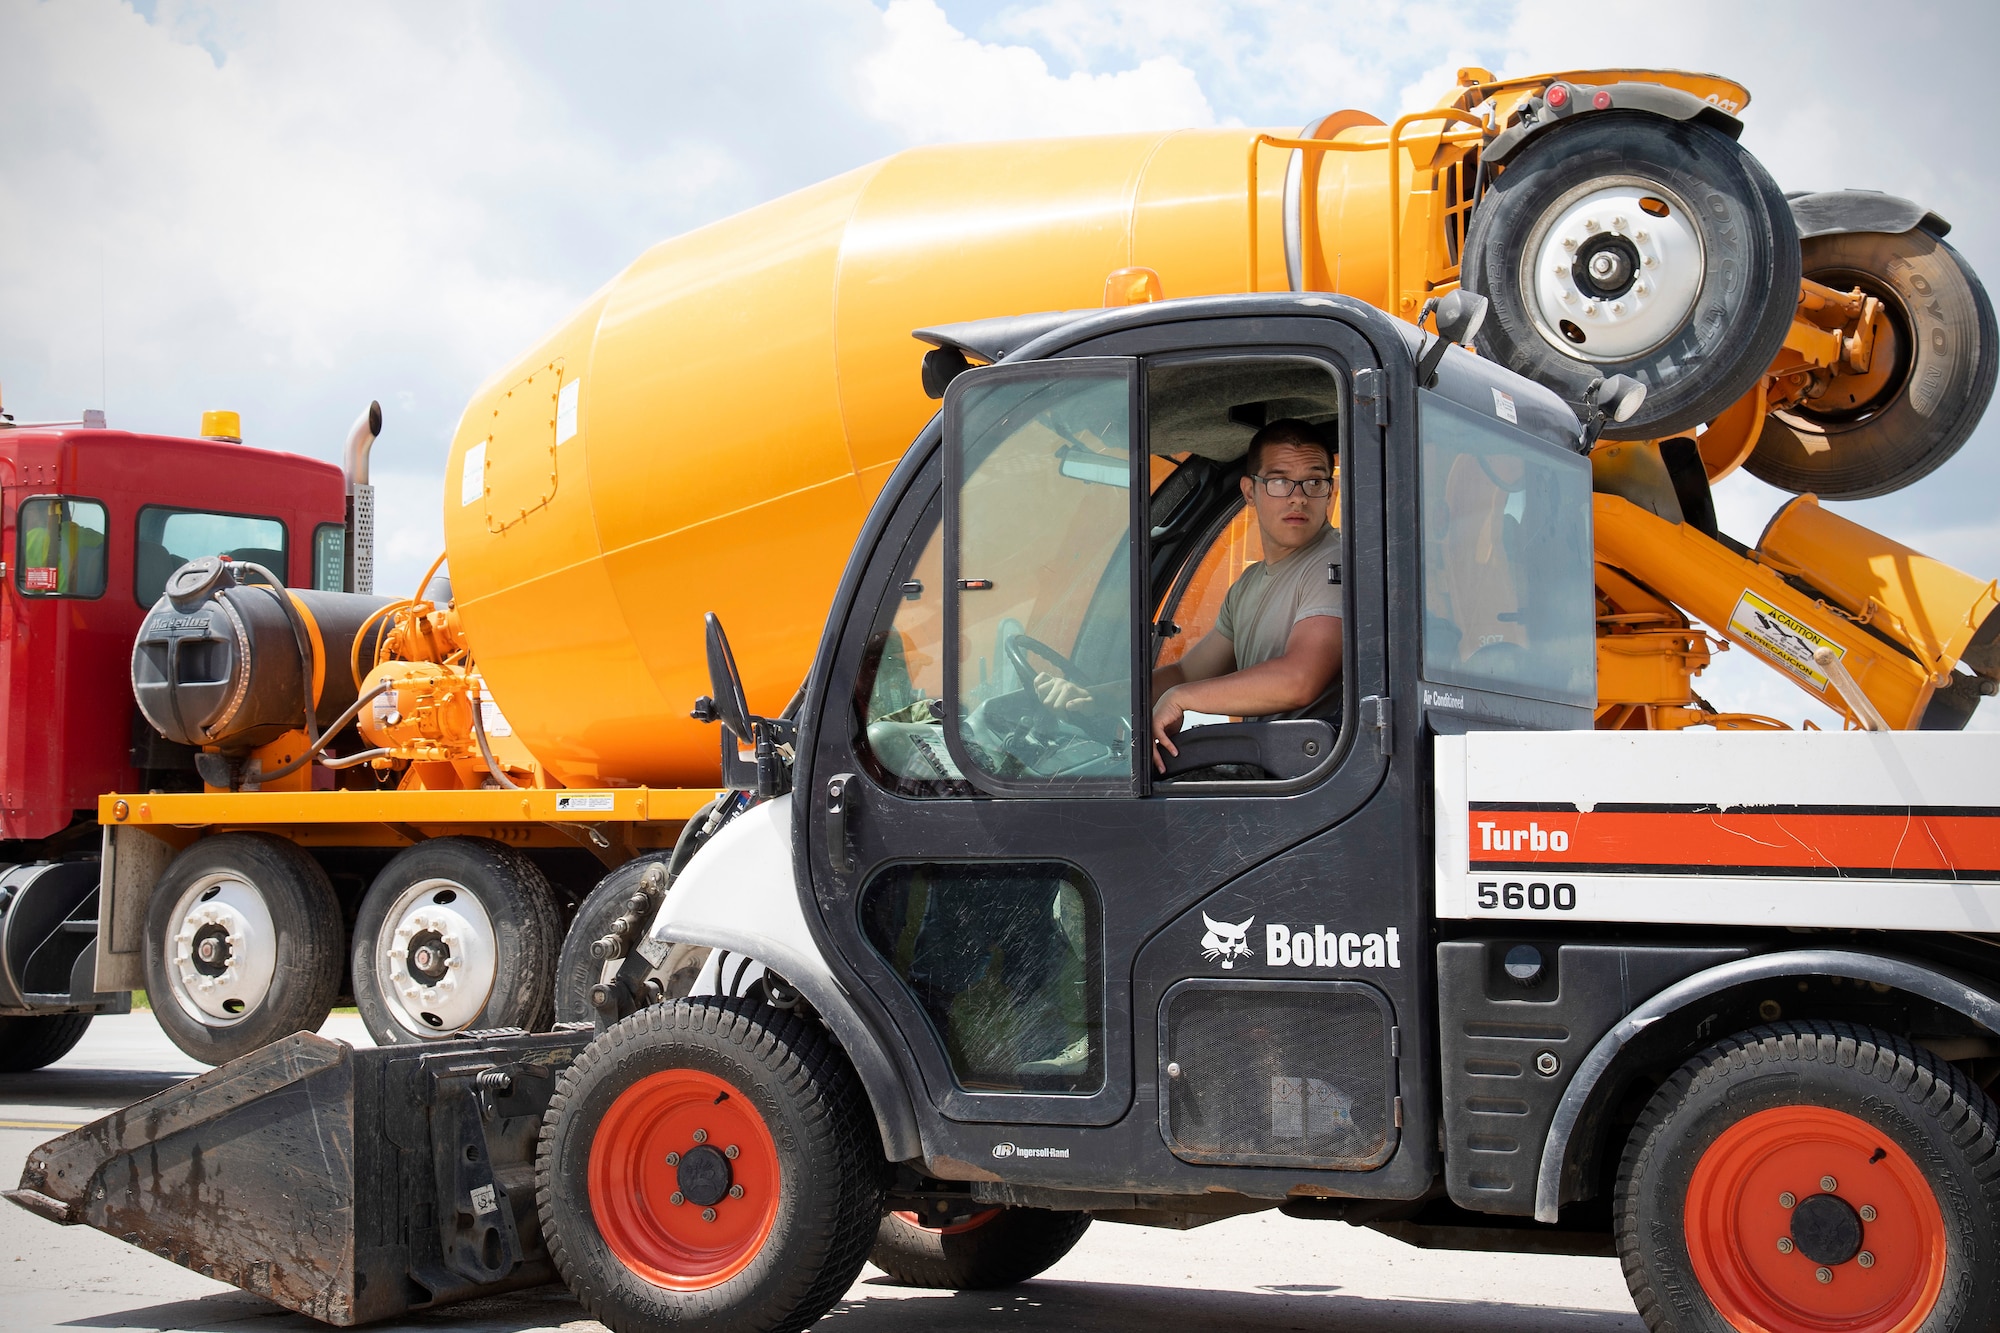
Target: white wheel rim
437 958
1608 278
223 950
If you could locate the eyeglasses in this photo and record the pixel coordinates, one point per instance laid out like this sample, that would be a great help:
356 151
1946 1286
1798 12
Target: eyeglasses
1279 488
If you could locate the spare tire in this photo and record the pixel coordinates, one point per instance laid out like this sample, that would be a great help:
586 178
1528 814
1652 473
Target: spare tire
1926 387
1624 244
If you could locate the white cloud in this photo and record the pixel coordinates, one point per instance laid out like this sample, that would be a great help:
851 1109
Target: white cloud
936 83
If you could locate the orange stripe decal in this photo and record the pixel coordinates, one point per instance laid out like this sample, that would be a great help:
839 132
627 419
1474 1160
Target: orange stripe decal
1909 843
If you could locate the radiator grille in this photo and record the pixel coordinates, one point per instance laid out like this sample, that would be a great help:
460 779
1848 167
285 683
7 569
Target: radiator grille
1277 1073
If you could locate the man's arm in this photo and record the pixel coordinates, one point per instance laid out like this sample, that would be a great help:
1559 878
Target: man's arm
1290 680
1213 656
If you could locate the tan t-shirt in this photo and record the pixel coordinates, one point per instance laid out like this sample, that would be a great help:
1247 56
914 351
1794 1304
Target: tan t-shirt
1272 596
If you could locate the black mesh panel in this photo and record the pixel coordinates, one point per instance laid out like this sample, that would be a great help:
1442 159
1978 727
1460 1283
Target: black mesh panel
1278 1073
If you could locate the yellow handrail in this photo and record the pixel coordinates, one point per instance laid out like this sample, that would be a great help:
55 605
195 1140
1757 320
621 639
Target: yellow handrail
1395 174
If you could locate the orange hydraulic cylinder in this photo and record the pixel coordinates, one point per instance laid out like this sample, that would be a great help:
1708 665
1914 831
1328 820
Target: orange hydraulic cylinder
1753 607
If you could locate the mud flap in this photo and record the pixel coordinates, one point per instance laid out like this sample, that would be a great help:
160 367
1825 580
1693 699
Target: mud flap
349 1185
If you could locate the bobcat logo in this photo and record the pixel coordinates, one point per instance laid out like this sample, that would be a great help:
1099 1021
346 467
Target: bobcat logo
1225 943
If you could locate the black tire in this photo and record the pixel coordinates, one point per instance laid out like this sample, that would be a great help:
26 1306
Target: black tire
1929 1127
457 880
1870 435
1714 344
821 1141
1001 1247
32 1041
576 970
306 955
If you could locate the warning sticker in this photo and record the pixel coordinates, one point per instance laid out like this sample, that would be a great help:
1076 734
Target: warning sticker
472 481
1789 642
599 800
484 1200
493 719
566 412
39 578
1503 406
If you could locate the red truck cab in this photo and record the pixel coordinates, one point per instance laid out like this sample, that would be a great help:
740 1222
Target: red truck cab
92 521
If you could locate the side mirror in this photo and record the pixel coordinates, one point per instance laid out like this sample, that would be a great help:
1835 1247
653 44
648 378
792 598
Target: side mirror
1457 317
1605 401
731 707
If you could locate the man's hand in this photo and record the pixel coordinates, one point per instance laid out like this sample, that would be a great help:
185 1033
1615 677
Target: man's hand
1167 717
1061 696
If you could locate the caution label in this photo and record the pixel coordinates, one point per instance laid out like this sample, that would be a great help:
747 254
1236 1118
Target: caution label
585 801
1789 642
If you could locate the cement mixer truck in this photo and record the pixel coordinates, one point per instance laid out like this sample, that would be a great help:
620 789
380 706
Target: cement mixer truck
385 781
1489 947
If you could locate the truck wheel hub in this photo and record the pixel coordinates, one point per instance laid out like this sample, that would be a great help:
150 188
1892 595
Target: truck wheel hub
223 951
441 960
1826 1229
1614 271
703 1176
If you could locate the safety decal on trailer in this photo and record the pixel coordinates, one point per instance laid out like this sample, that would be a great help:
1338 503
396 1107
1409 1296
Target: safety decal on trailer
584 801
1789 642
1846 842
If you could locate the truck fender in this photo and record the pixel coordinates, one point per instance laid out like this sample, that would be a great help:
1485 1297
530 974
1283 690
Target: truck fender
1836 212
1655 99
739 894
1915 977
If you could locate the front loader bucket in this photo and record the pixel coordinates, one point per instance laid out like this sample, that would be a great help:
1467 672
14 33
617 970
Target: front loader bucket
349 1185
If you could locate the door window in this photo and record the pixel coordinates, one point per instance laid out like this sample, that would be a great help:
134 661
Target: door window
1004 959
1508 597
1038 681
169 538
60 547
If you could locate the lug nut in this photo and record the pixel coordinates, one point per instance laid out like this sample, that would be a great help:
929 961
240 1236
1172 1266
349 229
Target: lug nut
1546 1064
1825 1275
1865 1259
677 1198
708 1215
1784 1245
736 1192
1785 1200
1569 243
673 1159
730 1152
1829 1184
1868 1213
701 1136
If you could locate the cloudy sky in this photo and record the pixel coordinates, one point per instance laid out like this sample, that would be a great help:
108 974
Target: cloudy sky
289 209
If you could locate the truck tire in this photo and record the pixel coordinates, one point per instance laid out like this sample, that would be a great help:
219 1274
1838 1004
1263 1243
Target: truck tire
981 1249
1624 244
32 1041
1813 1176
243 941
576 970
455 935
1927 385
709 1164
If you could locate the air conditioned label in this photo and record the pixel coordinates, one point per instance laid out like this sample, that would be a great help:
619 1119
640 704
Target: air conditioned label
1789 642
472 481
600 800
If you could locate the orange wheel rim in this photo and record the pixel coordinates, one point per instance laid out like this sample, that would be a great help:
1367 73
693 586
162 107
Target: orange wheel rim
1807 1220
683 1180
959 1228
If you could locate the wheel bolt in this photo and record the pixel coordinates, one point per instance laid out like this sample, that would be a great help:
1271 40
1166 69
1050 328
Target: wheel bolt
1825 1275
677 1198
708 1215
701 1136
730 1152
736 1192
1868 1213
673 1159
1829 1184
1787 1199
1784 1245
1865 1259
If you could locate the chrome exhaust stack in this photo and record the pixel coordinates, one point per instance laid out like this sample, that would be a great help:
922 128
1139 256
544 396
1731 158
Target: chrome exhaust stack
361 439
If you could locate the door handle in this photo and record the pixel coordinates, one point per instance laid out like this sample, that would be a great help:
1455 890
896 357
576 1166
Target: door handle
841 792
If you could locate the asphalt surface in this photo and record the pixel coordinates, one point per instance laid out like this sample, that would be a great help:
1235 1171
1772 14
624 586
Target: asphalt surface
1245 1275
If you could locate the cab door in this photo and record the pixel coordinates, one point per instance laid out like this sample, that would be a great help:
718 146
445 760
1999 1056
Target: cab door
1008 886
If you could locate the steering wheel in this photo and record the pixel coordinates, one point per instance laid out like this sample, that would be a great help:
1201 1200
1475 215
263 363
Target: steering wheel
1018 649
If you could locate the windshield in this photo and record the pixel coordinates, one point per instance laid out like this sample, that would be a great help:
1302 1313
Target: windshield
1508 600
